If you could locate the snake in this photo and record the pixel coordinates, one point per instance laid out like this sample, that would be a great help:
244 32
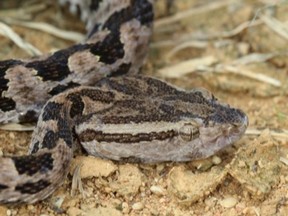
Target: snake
93 94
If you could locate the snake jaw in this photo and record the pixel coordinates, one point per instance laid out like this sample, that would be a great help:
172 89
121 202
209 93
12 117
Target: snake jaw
215 136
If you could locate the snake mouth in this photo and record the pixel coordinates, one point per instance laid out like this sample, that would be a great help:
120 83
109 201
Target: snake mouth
214 139
239 129
233 133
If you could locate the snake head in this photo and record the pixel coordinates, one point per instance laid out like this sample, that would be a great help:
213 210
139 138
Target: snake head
212 125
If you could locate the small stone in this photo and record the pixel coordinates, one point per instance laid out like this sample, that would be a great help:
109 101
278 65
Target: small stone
73 211
216 160
157 190
243 48
138 206
210 201
258 180
103 211
125 208
30 207
107 189
154 211
125 205
228 202
8 212
129 180
160 167
11 135
203 165
116 203
251 210
241 164
189 187
93 167
57 201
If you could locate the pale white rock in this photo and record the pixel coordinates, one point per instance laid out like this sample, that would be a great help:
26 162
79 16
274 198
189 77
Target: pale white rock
73 211
228 202
138 206
129 180
93 167
216 160
157 190
103 211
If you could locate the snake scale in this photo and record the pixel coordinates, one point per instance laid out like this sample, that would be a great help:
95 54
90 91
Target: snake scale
91 93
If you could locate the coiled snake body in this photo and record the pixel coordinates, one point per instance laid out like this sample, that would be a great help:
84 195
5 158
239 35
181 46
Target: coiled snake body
128 117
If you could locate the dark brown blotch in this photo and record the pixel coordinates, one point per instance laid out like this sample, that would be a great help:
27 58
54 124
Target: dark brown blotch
60 88
225 114
30 116
32 164
132 159
52 111
35 147
55 67
65 132
125 108
50 139
110 49
158 88
124 85
98 95
77 106
90 135
3 187
153 117
94 5
32 187
6 64
121 70
143 11
7 104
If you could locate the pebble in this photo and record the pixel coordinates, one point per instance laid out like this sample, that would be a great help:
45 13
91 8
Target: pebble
241 164
30 207
129 181
216 160
93 167
11 135
9 212
210 201
73 211
58 201
125 208
228 202
138 206
103 211
160 167
157 190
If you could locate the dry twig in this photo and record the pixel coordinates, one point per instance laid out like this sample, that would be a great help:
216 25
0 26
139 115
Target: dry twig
6 31
45 27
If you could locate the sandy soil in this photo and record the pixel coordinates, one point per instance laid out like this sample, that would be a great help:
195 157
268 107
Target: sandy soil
239 53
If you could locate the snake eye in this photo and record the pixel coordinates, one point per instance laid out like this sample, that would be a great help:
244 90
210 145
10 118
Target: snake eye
189 132
204 92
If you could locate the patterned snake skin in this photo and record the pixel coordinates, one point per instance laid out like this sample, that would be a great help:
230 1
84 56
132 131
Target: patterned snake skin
130 117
